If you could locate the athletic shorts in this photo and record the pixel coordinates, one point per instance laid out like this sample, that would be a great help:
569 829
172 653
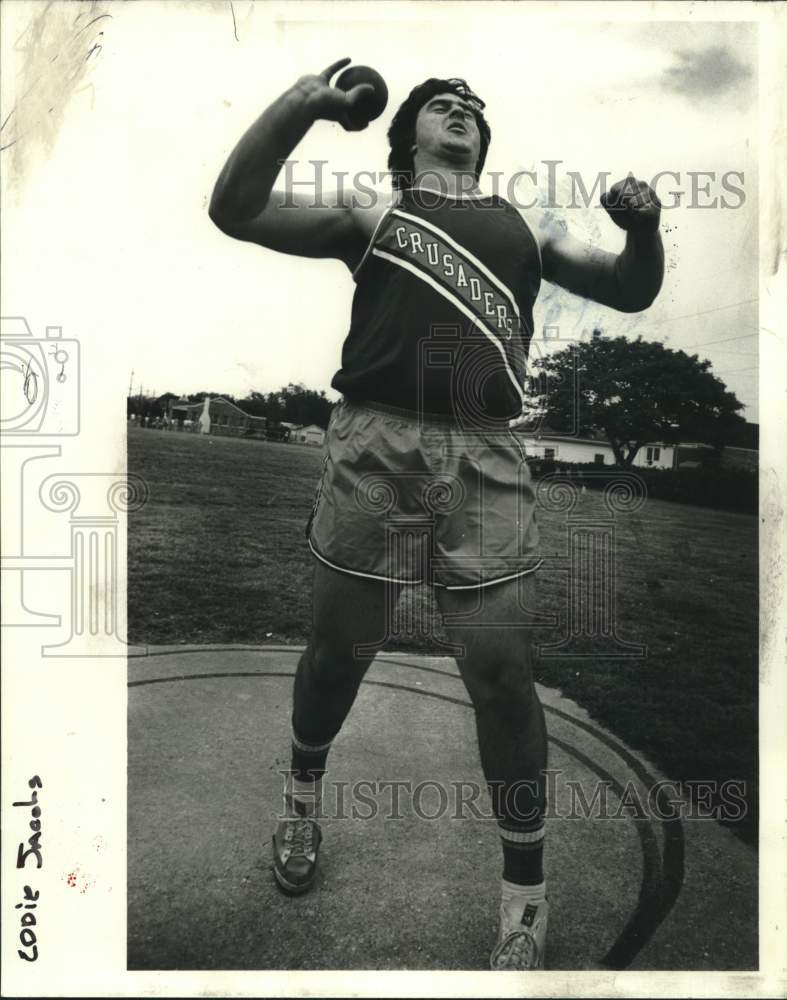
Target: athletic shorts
412 499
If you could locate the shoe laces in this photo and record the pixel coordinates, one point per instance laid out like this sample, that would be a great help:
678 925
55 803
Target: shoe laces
299 837
518 950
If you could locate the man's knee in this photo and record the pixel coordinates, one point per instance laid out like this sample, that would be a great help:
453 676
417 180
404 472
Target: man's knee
333 663
500 682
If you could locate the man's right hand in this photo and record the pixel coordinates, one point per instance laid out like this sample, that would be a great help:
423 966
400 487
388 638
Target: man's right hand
245 205
330 103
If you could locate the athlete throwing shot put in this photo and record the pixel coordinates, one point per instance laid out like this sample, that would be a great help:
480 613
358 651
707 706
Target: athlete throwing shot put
437 264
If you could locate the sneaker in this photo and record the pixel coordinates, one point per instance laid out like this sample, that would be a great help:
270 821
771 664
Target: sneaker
296 843
522 945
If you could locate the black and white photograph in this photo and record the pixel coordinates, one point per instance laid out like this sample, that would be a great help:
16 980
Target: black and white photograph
393 498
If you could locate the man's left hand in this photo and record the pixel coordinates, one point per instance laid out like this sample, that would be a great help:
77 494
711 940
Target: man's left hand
633 205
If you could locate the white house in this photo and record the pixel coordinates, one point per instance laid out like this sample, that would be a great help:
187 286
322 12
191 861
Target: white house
559 448
308 434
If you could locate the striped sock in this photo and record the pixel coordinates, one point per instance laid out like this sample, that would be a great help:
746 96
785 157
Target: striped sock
301 798
523 854
303 785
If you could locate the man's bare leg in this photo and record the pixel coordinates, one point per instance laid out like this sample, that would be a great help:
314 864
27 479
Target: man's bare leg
348 612
496 669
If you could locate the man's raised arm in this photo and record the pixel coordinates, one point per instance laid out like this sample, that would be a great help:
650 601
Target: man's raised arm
244 204
628 281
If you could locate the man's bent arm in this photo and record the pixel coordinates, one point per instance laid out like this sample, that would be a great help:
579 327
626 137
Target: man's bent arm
639 271
244 204
628 281
244 185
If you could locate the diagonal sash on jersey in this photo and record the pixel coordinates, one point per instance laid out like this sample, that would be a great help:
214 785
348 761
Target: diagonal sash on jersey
430 254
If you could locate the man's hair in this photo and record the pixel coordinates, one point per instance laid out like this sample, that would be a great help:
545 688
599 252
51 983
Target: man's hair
401 134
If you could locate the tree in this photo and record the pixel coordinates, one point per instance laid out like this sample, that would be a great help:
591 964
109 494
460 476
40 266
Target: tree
255 404
634 392
197 397
296 404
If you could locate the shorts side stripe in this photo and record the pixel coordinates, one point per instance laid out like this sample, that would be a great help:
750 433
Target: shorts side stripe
355 572
489 583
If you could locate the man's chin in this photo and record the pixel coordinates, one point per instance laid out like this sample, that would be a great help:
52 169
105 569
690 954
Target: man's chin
458 149
458 140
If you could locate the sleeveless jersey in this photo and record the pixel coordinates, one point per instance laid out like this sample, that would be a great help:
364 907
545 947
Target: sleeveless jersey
442 314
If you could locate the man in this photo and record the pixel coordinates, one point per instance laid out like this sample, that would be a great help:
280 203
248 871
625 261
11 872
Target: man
432 374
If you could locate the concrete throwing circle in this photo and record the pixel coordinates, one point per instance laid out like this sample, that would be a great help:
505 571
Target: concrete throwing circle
411 887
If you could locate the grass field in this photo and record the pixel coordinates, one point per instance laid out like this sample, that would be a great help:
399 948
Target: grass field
219 555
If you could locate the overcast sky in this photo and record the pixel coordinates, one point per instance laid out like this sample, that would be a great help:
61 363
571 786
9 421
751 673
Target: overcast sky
114 199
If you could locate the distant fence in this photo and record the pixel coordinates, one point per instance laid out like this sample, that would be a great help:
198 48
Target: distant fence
713 486
256 428
258 431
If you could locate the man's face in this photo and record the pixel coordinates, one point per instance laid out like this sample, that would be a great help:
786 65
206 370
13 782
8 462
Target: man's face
446 128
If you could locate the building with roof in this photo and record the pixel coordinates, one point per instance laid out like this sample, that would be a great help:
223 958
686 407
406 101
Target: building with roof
307 434
217 416
595 449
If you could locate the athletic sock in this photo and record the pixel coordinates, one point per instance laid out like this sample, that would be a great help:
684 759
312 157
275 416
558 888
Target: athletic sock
301 798
519 904
515 894
523 854
303 785
523 885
